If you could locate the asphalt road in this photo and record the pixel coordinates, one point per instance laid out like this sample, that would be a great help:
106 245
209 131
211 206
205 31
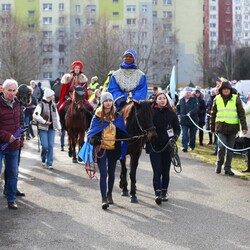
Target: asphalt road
62 209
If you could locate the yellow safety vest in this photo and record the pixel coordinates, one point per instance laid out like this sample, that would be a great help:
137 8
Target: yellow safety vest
228 113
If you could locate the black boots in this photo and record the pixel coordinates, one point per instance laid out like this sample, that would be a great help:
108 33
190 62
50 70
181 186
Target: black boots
105 204
164 195
109 198
228 171
62 148
158 197
218 169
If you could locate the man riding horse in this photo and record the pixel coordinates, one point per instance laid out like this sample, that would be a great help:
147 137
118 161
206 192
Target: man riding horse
128 82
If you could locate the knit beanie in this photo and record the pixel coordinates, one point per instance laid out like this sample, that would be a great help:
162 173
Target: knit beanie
106 96
48 93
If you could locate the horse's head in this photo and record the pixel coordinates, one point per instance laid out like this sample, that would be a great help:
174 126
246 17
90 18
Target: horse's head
24 94
139 119
79 96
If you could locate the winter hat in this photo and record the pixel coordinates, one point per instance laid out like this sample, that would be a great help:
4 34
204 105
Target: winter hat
94 78
187 89
77 63
197 89
132 52
106 96
48 93
225 85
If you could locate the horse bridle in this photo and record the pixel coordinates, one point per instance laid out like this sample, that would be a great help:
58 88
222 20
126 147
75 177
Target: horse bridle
144 131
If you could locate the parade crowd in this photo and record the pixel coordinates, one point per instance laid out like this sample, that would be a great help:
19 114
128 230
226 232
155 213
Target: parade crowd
224 115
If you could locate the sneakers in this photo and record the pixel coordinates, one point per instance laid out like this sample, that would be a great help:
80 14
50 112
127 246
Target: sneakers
164 195
62 148
158 197
184 150
12 205
49 166
43 163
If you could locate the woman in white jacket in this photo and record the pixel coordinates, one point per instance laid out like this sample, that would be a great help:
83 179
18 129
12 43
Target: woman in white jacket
247 135
48 121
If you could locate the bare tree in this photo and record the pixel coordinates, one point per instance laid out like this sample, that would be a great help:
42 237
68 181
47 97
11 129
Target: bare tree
99 48
19 50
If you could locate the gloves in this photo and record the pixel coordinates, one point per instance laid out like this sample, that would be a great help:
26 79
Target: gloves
120 101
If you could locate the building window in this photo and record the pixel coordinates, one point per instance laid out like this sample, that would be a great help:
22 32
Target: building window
228 29
31 25
212 25
144 21
212 8
31 12
115 13
228 20
154 13
47 6
47 61
77 35
144 48
167 26
154 2
47 75
213 34
90 21
61 6
228 3
47 20
61 48
167 2
144 8
6 7
77 21
61 61
90 8
47 48
61 33
115 27
61 74
144 35
115 1
5 20
61 20
77 8
131 8
167 14
47 34
131 21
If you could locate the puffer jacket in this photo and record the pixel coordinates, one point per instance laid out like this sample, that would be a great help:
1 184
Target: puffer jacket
9 122
223 127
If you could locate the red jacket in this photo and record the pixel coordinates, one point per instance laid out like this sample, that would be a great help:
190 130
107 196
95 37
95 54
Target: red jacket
9 123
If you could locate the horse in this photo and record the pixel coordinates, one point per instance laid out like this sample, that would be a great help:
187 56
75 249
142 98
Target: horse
77 121
138 118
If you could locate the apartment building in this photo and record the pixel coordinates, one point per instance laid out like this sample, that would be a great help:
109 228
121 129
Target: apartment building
61 21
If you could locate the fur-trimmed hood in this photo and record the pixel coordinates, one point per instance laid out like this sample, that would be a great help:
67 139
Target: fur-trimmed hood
67 78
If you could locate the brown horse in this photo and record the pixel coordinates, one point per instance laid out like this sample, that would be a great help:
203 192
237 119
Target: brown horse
77 120
138 117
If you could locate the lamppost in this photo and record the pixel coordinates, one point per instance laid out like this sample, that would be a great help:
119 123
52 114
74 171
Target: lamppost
177 60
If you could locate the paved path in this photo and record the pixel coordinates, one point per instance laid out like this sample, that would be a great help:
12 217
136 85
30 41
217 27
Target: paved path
62 209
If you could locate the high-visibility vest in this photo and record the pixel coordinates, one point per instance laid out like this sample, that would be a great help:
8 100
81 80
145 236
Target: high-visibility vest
226 113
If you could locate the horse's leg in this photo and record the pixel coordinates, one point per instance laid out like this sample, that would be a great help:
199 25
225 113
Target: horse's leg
133 167
74 142
123 178
70 143
80 143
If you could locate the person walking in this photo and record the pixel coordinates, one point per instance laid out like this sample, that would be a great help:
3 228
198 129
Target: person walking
188 106
226 116
201 113
128 82
48 121
167 127
57 89
107 127
10 115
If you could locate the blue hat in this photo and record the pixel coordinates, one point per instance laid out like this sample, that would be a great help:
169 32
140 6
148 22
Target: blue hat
187 89
132 52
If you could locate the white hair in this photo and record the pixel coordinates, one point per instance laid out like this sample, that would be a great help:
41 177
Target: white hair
9 82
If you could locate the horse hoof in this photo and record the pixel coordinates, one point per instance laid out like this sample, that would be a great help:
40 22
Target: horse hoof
74 161
124 193
133 199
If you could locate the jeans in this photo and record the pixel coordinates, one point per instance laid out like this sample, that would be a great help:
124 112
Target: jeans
229 141
161 163
11 168
47 141
62 137
106 165
188 136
